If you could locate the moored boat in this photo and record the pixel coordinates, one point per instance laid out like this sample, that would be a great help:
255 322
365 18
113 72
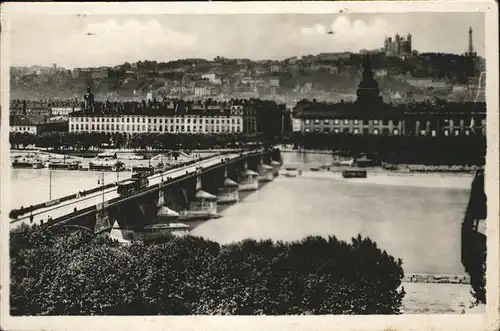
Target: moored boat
63 164
354 173
132 157
106 162
72 165
27 162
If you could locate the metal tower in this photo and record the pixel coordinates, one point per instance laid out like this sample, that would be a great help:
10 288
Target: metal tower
471 45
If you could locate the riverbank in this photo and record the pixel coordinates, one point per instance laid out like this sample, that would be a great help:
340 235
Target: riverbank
302 159
389 178
328 171
128 152
330 160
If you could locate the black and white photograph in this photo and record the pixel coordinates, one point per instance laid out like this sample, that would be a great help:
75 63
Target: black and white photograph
232 160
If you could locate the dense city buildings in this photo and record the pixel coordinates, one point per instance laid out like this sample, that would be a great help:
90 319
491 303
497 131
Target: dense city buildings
370 116
37 125
243 96
329 76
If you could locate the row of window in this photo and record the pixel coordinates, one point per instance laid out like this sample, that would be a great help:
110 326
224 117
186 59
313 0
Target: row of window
160 128
363 122
23 128
447 122
396 132
154 120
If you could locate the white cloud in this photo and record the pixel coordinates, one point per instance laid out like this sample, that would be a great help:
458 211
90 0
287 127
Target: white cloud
347 34
64 39
130 40
111 42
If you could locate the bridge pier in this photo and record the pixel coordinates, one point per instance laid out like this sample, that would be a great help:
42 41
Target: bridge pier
161 198
250 179
102 218
265 171
228 193
123 235
276 168
202 206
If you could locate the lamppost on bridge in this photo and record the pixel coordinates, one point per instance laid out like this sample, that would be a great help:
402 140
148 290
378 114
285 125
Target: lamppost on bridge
50 184
101 181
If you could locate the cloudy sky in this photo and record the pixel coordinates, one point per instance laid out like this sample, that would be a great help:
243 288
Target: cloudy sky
94 40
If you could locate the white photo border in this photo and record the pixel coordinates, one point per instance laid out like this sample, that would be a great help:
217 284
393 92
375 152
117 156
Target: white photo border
479 322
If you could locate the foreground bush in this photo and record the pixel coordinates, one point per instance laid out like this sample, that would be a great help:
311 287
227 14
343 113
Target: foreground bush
78 274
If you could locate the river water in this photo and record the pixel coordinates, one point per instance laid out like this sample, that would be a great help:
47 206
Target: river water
415 217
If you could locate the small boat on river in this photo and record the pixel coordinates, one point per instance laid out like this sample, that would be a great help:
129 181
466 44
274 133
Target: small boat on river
106 162
69 165
30 161
354 173
63 164
132 157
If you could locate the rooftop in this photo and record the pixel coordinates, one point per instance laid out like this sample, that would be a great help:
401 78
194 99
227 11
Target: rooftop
318 110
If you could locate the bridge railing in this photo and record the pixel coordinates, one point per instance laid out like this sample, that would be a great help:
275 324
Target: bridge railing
67 217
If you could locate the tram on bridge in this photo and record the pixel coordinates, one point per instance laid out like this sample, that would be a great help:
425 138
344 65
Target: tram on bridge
136 183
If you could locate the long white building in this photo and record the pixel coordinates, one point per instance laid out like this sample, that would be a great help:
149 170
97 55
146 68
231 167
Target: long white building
232 121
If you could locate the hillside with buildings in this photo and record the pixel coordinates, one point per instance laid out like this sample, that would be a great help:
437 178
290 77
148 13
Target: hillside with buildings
402 73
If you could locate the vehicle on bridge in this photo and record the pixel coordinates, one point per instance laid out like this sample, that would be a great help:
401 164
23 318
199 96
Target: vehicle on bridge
144 169
134 184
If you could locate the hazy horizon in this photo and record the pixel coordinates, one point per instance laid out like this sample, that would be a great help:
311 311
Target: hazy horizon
107 40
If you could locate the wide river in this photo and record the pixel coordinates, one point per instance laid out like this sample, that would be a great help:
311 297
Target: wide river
415 217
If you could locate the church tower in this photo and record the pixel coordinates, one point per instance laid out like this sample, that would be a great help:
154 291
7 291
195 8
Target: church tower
89 98
368 91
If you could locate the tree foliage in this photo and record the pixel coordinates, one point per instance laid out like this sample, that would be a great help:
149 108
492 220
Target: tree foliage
75 273
84 141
